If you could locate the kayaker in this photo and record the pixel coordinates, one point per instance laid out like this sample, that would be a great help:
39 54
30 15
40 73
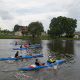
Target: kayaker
29 43
51 59
21 46
38 63
28 52
17 54
15 43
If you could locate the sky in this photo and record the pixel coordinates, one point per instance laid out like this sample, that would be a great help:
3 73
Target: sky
23 12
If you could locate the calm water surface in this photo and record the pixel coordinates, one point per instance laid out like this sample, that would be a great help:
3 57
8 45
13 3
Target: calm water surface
68 49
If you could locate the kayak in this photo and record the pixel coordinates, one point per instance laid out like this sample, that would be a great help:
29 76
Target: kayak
23 48
18 43
22 57
36 45
34 66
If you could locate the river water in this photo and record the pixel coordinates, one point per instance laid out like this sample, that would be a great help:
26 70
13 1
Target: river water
68 70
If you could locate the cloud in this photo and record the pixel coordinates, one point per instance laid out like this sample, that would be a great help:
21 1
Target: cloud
23 12
5 15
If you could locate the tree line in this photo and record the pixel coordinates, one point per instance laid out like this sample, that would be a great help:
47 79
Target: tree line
57 27
5 31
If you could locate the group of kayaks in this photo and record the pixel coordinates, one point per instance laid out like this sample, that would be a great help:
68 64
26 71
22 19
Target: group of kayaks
31 46
33 66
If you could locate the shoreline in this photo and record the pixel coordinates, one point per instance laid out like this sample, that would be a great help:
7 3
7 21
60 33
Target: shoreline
45 39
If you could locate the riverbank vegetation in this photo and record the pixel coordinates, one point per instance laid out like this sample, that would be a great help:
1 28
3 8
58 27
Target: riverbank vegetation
36 37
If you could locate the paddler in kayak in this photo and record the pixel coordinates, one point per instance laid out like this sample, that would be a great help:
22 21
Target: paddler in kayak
51 59
17 54
15 43
21 46
29 43
38 63
28 52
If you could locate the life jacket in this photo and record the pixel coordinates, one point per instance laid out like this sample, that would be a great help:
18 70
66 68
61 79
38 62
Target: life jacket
51 60
25 46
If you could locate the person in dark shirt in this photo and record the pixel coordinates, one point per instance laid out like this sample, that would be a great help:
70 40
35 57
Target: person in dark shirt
29 43
15 43
37 62
17 54
21 46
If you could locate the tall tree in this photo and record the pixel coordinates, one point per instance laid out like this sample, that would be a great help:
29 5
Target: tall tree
24 33
61 25
16 27
70 28
35 28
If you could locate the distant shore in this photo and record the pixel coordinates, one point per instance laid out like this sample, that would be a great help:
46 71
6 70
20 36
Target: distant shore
36 37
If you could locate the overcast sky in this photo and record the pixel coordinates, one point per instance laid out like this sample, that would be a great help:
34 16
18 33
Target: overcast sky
23 12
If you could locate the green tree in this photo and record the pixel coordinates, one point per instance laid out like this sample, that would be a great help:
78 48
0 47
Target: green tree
70 28
35 28
16 27
24 32
5 31
55 27
61 25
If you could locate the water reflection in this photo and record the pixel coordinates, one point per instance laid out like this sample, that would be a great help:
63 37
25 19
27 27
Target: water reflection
62 48
34 41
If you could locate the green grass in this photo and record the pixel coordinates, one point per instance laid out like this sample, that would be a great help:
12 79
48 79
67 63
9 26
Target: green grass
30 37
2 36
10 37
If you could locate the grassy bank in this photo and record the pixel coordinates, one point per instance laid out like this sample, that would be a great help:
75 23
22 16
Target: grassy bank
58 38
19 37
36 37
10 37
